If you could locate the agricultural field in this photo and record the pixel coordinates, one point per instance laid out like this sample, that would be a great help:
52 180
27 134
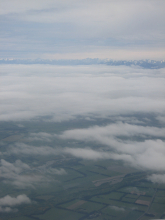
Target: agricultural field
62 186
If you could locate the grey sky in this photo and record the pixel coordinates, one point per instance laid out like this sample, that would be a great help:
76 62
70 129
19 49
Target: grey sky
72 29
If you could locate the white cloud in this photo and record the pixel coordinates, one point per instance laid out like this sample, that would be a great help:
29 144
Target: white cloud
41 136
8 201
150 156
19 6
12 174
22 176
13 201
88 91
7 169
157 178
119 129
83 28
65 92
121 17
147 154
118 209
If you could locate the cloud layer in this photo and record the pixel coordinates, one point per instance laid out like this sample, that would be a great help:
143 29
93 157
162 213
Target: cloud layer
66 92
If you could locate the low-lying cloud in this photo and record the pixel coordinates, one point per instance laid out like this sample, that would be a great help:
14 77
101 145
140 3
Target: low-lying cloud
67 92
157 178
22 176
101 133
115 143
118 209
7 202
12 173
13 201
147 154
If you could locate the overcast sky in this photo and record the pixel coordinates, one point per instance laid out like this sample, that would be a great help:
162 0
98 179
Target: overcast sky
76 29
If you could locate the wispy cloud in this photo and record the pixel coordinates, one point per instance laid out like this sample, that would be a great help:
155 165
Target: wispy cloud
157 178
22 176
21 148
118 209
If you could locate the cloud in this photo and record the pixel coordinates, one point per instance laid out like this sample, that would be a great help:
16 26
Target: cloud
118 209
22 176
146 154
157 178
83 28
67 92
118 141
118 129
12 174
161 119
17 6
133 189
13 201
21 148
150 156
47 169
7 168
8 201
41 136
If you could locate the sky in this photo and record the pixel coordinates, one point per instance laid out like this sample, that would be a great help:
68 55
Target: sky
78 29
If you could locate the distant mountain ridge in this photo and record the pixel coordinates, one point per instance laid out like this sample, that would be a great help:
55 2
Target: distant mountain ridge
148 64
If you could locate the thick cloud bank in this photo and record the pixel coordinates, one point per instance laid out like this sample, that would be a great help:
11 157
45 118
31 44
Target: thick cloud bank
66 92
